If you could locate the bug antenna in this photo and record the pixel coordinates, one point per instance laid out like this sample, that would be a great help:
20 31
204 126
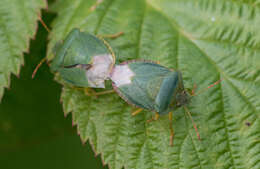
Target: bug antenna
205 89
194 124
43 24
38 66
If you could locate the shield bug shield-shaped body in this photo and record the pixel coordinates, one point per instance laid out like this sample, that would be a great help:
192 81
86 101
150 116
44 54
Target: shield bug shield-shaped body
150 86
83 60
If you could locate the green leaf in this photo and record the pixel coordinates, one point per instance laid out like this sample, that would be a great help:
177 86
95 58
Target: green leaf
17 25
207 40
33 131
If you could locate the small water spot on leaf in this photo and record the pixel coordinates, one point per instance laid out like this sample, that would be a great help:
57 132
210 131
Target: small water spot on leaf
213 19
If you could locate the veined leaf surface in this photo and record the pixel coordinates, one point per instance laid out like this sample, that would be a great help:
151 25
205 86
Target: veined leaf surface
207 40
17 25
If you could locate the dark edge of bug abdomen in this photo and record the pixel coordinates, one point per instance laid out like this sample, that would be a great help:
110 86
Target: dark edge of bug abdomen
167 92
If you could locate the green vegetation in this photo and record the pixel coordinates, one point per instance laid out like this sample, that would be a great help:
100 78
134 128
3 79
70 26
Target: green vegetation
207 40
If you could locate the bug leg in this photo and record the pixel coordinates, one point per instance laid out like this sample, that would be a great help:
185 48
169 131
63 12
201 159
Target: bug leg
38 66
194 124
92 92
137 111
157 61
87 91
210 86
43 24
156 117
104 92
193 89
112 36
171 129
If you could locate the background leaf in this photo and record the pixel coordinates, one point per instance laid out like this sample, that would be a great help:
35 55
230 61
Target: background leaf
17 25
33 131
207 40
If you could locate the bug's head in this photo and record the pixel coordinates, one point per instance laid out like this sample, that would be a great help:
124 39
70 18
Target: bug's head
182 98
185 95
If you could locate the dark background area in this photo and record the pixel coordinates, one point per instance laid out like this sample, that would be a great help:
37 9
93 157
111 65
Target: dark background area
34 134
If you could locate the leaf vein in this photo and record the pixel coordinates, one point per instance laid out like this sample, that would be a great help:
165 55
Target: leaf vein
139 34
103 16
225 126
197 152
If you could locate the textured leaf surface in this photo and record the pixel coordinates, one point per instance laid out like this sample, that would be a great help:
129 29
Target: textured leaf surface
17 25
207 40
33 131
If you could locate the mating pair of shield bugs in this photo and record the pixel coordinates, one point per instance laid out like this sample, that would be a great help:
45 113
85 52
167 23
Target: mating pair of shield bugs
85 60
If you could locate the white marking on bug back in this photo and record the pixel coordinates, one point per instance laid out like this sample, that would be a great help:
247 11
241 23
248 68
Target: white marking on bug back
213 19
121 75
100 70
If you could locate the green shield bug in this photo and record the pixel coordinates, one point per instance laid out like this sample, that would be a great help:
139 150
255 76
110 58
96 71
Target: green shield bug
83 60
153 87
